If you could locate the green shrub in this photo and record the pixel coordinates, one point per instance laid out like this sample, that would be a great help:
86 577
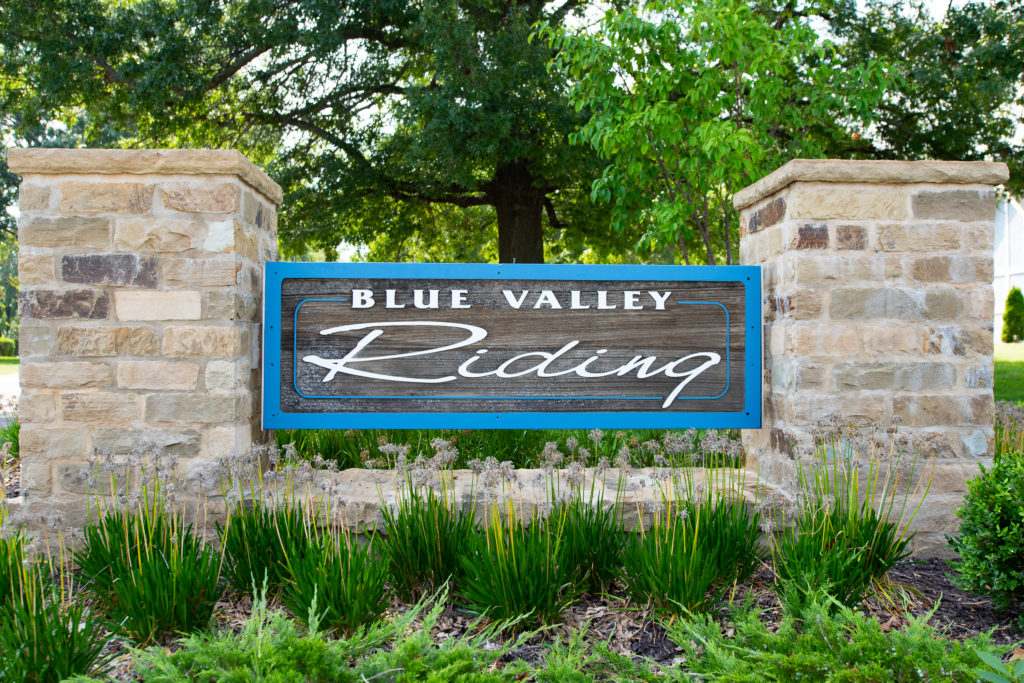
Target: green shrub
149 572
991 539
424 538
272 649
827 642
1013 316
337 581
257 541
517 569
46 637
691 553
8 347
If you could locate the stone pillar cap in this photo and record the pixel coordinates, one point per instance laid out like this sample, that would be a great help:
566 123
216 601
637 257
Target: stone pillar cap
872 172
48 161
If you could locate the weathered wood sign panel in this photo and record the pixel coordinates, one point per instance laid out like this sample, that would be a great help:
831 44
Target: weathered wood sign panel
527 346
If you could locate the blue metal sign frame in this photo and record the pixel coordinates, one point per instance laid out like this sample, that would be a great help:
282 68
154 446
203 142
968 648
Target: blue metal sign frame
275 418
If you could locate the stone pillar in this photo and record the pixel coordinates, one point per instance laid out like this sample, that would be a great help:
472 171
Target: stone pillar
141 302
877 277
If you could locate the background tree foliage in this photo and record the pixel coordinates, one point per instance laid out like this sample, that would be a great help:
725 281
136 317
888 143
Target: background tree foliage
693 100
435 129
374 115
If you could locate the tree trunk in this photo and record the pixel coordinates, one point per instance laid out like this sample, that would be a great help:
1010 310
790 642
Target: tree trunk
519 205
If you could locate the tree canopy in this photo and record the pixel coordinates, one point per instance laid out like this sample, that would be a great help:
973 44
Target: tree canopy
372 114
438 130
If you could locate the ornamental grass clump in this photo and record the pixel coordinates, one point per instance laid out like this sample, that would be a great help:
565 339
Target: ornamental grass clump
148 571
1009 427
592 540
424 537
848 524
697 546
337 581
517 568
46 635
258 539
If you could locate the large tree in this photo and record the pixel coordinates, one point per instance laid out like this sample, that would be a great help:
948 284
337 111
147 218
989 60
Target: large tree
694 99
959 80
369 112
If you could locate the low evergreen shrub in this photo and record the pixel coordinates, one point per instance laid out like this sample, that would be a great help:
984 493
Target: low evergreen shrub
148 571
1013 316
517 568
991 539
8 347
339 582
826 642
424 537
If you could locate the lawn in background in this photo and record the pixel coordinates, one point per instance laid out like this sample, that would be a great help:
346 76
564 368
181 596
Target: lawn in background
1009 378
8 365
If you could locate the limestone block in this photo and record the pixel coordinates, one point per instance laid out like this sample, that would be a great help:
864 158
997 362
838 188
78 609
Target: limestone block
199 341
851 237
37 406
36 478
811 236
928 410
170 442
151 305
978 375
65 375
86 341
100 406
771 213
966 206
899 376
136 341
35 338
33 198
919 237
70 231
35 268
153 234
81 477
227 304
192 408
226 375
257 212
88 304
858 303
109 269
942 304
209 197
46 442
821 340
979 237
890 339
199 272
824 202
158 375
958 340
220 236
98 197
979 302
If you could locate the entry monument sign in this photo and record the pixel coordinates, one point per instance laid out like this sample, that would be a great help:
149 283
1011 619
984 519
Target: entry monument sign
370 345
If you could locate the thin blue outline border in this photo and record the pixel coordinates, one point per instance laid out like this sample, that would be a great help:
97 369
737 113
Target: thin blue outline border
747 418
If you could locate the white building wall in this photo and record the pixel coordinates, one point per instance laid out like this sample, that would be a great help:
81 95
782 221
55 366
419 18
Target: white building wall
1009 256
